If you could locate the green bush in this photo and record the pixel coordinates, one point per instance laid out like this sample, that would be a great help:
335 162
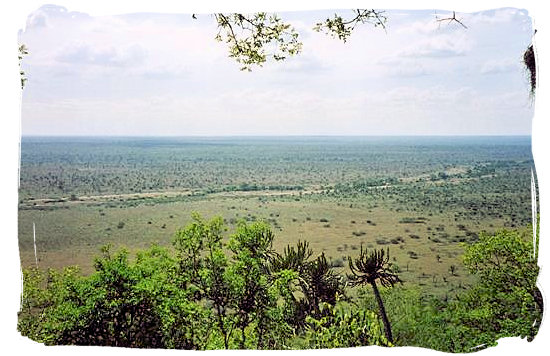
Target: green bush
213 291
344 326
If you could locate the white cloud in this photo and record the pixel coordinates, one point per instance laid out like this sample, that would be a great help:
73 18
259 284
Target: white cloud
500 66
165 75
408 69
47 15
497 16
85 54
441 46
401 110
424 27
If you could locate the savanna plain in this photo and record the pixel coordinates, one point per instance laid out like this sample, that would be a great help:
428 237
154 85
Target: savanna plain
423 200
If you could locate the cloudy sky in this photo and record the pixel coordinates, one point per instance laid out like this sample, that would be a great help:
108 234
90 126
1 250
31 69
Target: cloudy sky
164 74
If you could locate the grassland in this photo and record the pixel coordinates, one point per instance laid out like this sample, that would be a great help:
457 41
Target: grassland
422 198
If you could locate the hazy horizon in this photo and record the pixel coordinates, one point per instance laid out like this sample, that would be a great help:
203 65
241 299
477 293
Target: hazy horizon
259 136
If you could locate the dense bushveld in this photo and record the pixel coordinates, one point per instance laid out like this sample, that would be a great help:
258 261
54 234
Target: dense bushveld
211 294
421 197
61 167
426 201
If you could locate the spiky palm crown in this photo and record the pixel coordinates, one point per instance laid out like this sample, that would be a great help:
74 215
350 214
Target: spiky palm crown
316 276
369 267
292 258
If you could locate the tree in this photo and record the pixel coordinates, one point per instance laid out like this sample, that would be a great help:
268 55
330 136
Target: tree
243 294
506 300
451 19
122 304
248 37
316 278
452 269
369 268
530 63
23 51
342 29
255 38
202 267
256 291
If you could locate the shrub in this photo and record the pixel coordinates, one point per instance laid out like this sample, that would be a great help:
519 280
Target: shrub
344 326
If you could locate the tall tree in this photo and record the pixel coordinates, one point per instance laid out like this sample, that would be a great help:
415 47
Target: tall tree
251 246
203 269
506 300
370 268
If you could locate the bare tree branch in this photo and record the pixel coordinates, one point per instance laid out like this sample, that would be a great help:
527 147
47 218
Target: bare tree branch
451 19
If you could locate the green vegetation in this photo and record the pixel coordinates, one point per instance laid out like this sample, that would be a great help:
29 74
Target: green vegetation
211 294
23 51
207 295
252 39
271 268
372 268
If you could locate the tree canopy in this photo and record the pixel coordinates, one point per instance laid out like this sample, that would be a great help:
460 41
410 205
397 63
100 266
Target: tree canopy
214 291
254 38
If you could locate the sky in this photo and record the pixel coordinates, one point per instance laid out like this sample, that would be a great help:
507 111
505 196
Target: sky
149 74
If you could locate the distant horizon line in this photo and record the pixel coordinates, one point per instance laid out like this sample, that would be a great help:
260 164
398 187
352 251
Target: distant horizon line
252 136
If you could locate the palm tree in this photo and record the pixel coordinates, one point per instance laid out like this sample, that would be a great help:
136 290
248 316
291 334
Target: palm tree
369 268
317 280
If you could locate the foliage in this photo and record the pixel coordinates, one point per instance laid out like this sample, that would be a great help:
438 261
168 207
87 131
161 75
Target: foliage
316 278
369 268
506 301
405 308
23 51
202 266
255 38
121 304
250 284
530 62
211 294
372 267
342 28
252 39
215 292
343 326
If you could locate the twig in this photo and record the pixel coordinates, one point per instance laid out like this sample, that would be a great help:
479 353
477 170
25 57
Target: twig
451 19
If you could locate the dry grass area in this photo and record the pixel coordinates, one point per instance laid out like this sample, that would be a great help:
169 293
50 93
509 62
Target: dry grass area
419 197
73 234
